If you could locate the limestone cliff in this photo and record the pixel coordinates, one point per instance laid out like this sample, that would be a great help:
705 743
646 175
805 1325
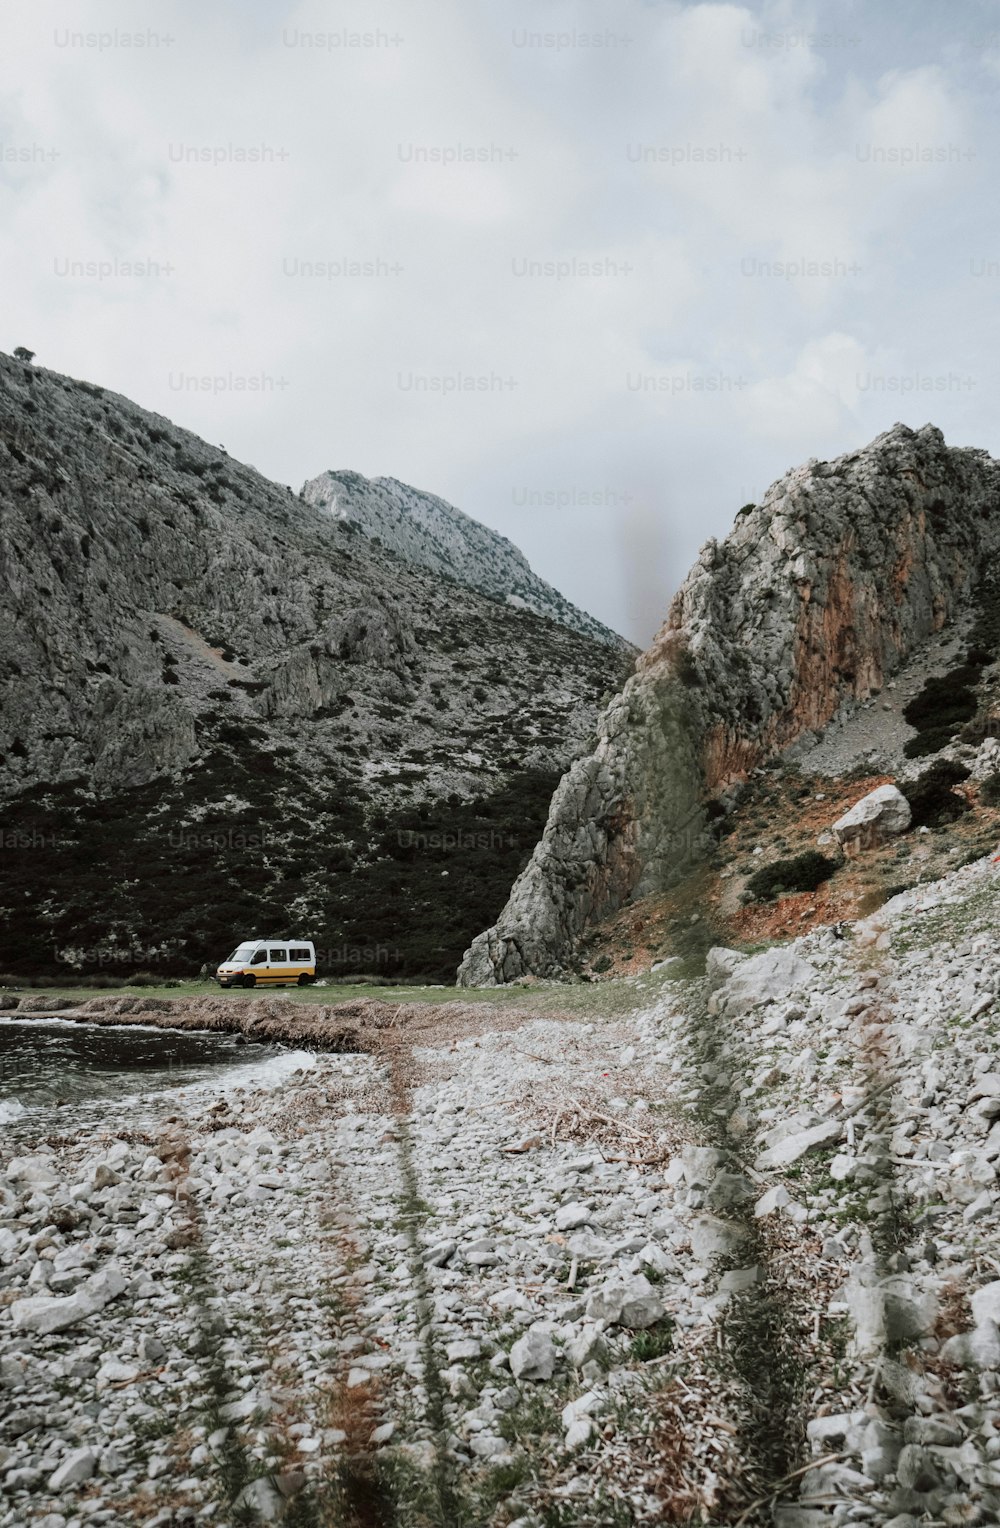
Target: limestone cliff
814 600
431 533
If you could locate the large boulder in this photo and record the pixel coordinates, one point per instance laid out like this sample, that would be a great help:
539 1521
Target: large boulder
721 963
44 1314
766 978
881 815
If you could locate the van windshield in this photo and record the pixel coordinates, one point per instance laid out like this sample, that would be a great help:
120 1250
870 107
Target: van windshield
242 952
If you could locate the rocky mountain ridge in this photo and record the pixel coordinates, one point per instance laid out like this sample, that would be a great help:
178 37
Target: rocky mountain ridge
282 721
431 533
818 597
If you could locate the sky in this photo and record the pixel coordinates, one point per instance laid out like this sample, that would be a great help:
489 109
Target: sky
595 272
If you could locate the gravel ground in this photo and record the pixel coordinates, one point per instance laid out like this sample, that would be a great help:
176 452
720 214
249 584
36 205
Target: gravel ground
728 1258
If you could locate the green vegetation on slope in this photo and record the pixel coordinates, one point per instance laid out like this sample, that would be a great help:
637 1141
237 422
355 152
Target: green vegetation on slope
172 875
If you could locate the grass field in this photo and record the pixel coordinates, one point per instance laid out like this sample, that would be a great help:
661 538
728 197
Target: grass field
597 999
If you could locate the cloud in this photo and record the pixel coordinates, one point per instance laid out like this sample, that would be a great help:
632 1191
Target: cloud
446 240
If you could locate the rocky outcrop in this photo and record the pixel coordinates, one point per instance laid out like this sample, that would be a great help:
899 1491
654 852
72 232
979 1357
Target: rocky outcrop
431 533
814 600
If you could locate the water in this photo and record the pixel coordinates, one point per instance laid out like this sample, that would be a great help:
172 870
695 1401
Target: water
56 1065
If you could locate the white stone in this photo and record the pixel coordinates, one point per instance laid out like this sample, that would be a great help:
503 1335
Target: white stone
887 1311
533 1356
263 1499
76 1467
464 1348
980 1206
584 1406
987 761
795 1146
45 1314
586 1346
721 962
580 1432
883 813
570 1216
774 1199
488 1445
115 1373
766 978
481 1253
985 1303
711 1238
631 1302
32 1172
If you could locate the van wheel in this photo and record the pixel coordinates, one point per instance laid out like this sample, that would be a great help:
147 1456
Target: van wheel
249 981
305 979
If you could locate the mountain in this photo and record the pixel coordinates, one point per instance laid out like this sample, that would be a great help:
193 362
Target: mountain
226 713
427 531
850 576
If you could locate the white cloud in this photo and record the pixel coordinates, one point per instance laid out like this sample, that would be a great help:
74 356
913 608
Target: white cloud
818 394
685 262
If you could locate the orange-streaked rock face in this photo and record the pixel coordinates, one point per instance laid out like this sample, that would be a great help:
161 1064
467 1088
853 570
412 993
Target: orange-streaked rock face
817 597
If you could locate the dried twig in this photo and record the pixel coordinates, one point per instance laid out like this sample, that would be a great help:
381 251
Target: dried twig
606 1119
781 1485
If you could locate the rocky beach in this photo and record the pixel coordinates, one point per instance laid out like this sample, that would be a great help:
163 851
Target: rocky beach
721 1251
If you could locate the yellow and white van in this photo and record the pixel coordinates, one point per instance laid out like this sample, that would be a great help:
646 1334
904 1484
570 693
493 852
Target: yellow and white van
269 963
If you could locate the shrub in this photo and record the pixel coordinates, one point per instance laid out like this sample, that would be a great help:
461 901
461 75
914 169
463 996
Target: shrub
932 800
687 670
929 742
802 873
985 633
989 791
940 708
944 700
654 1342
979 729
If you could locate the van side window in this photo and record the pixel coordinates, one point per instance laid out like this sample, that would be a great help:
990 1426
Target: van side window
298 954
260 958
278 957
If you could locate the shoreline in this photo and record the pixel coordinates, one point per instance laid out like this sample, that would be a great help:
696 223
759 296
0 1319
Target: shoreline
364 1025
